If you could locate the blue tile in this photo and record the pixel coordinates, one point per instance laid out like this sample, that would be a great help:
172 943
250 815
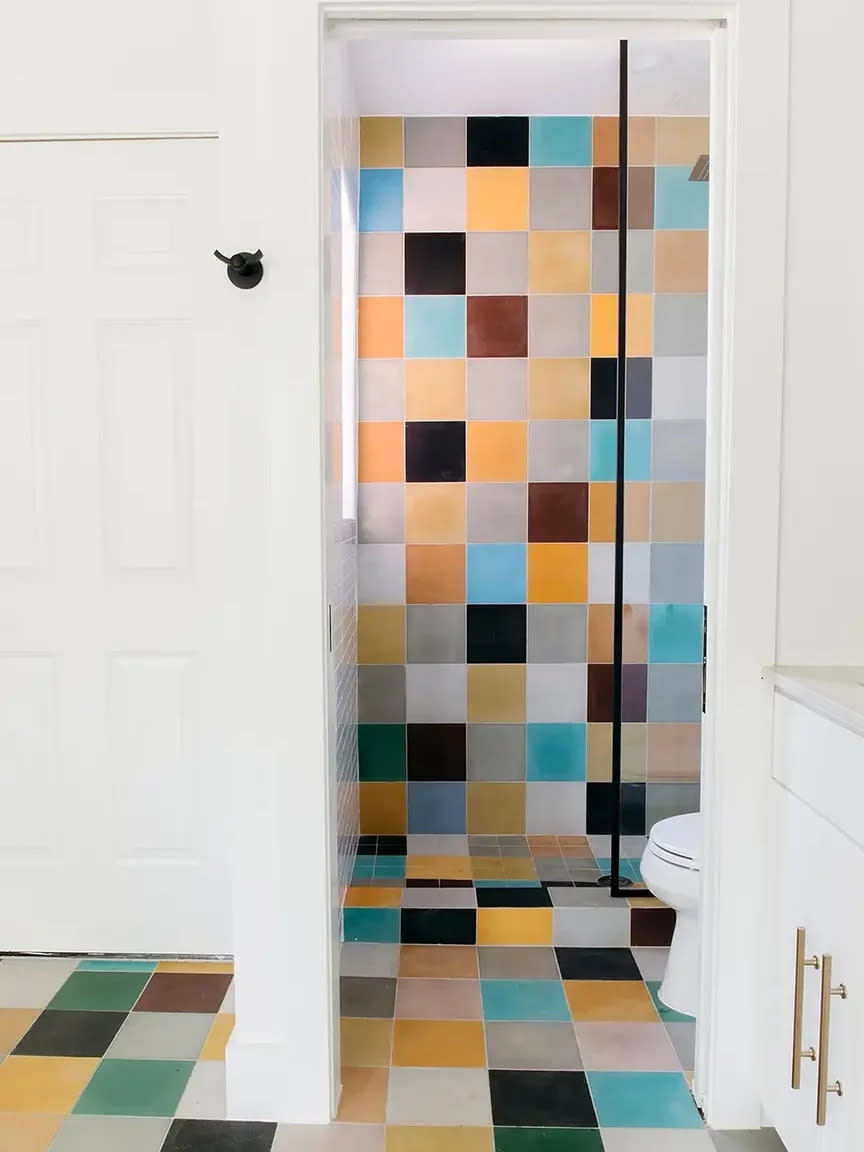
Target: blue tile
434 327
667 1015
556 751
637 450
435 808
603 449
524 1000
674 693
372 925
643 1100
381 200
679 202
117 966
675 634
560 141
496 573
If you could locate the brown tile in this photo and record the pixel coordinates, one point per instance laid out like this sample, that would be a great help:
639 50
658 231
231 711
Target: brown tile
605 199
557 512
381 451
609 1000
599 753
380 141
496 808
633 739
496 694
366 1043
383 808
439 1044
641 145
497 450
600 687
435 574
434 514
674 752
651 927
600 633
558 389
559 262
635 646
637 511
497 325
177 992
435 389
381 634
437 961
678 513
682 139
364 1095
605 140
438 999
601 521
640 198
681 261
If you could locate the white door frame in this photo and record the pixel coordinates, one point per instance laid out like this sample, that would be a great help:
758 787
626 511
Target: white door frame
279 1059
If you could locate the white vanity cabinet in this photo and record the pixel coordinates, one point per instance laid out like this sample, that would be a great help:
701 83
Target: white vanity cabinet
815 882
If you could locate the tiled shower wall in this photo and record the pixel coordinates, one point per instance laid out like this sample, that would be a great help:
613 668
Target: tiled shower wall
488 341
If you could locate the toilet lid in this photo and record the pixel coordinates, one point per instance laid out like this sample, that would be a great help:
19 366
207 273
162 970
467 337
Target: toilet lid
680 836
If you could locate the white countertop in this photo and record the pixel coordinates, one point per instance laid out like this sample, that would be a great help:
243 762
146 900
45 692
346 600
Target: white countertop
835 692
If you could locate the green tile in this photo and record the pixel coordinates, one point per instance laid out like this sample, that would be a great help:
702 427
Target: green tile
109 965
100 991
548 1140
381 748
372 925
666 1014
135 1088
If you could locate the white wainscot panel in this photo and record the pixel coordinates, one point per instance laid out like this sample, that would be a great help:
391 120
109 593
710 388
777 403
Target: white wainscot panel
21 504
20 234
29 754
142 231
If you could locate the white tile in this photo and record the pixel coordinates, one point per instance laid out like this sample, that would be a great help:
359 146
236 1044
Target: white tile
651 962
435 693
161 1036
361 959
110 1133
381 573
30 982
591 927
601 573
555 808
329 1138
439 898
679 387
433 1096
422 845
452 845
434 199
204 1098
637 573
557 694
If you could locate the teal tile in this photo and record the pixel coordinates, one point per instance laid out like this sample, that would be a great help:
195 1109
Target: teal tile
643 1100
556 751
381 200
496 574
548 1140
675 634
100 991
679 202
667 1015
560 141
637 450
372 925
524 1000
604 449
117 966
135 1088
434 326
628 867
381 751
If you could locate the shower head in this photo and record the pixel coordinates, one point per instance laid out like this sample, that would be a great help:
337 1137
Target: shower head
700 171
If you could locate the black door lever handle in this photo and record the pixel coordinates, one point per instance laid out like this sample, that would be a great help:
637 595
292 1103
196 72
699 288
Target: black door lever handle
244 268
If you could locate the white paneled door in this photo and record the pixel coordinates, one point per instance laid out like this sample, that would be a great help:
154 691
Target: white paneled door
112 487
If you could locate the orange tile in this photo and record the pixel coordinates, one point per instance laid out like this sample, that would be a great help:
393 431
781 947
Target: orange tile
604 325
635 634
366 1043
514 926
640 324
599 753
439 1044
609 1000
27 1132
497 199
43 1083
365 897
364 1095
600 638
380 141
438 961
381 452
381 634
211 967
601 512
495 809
435 514
379 327
383 808
681 261
496 693
641 145
637 511
435 389
605 141
682 139
217 1037
14 1022
557 573
435 573
558 389
413 1138
559 262
497 450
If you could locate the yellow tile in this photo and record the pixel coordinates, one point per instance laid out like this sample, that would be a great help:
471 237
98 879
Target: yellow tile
413 1138
217 1037
496 693
557 574
214 967
380 141
558 389
381 634
609 1000
434 389
438 961
434 514
496 809
633 755
601 512
364 1095
518 868
599 753
559 262
514 926
454 867
14 1022
645 902
682 139
497 199
366 1043
439 1044
640 324
604 325
487 868
361 896
382 809
43 1083
27 1132
421 868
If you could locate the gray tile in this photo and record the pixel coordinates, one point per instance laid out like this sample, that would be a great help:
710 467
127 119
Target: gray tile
497 388
664 800
524 963
533 1046
380 390
204 1097
675 693
558 450
361 959
760 1140
557 633
436 633
558 325
651 962
680 325
637 572
555 809
679 387
552 868
439 898
655 1140
601 573
582 898
110 1133
683 1037
497 513
678 450
367 996
380 264
677 573
604 261
591 927
616 1046
439 1096
381 513
30 982
435 142
560 198
435 693
381 574
452 844
639 388
161 1036
329 1138
496 263
496 752
640 261
556 694
381 694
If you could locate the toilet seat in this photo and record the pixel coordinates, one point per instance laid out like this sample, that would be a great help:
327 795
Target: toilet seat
678 841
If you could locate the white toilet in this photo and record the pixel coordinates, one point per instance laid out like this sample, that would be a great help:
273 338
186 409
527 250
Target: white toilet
670 867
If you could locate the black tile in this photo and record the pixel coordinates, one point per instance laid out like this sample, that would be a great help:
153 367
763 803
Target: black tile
436 752
434 451
651 927
392 846
439 926
597 964
498 141
410 882
600 808
639 388
633 810
434 263
634 693
541 1099
366 845
219 1136
513 898
456 883
70 1034
496 633
600 693
604 388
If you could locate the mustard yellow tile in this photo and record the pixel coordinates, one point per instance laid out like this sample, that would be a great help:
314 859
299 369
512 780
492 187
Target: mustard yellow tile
439 1044
682 139
217 1037
486 868
518 868
434 514
644 902
366 897
557 574
43 1083
497 199
14 1022
496 693
559 262
27 1132
366 1043
619 1000
383 808
381 142
559 389
214 967
496 809
640 324
381 634
435 389
421 868
599 753
514 926
454 867
604 325
413 1138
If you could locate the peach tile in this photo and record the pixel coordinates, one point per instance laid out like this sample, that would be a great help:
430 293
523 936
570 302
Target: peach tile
640 324
435 389
605 141
604 325
514 926
635 636
366 1043
559 262
380 141
557 573
438 999
559 389
416 1139
674 752
637 511
383 808
497 199
365 897
496 809
381 634
601 512
14 1022
497 450
454 961
364 1095
599 753
379 327
381 452
682 139
211 967
43 1083
609 1000
600 633
633 752
27 1132
435 513
435 573
439 1044
217 1037
678 512
641 145
496 693
681 261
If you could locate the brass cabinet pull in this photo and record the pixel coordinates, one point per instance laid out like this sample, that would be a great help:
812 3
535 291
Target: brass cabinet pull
801 962
824 1036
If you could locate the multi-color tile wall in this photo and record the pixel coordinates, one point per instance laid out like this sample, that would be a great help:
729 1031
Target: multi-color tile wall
486 521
